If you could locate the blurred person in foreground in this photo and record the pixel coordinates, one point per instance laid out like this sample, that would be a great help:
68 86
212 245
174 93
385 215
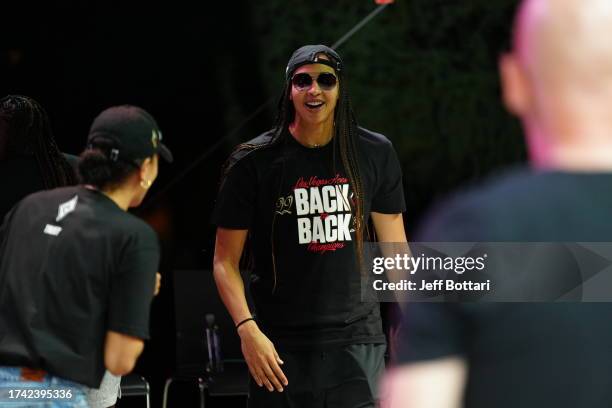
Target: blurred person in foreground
29 157
77 272
558 80
303 193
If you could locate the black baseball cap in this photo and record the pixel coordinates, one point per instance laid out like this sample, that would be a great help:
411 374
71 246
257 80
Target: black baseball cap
132 131
308 55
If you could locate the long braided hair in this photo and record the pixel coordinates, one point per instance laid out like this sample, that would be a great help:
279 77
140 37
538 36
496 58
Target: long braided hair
345 135
27 132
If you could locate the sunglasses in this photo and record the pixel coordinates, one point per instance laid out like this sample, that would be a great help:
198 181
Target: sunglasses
303 81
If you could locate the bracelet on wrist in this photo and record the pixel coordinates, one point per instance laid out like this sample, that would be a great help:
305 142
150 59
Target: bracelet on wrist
244 321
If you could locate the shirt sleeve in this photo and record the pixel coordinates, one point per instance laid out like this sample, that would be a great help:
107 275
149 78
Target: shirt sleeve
389 193
132 286
236 200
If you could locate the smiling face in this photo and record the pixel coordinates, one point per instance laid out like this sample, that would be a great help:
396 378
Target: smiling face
314 105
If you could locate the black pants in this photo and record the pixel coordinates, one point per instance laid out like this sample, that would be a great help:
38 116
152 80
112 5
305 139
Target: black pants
343 377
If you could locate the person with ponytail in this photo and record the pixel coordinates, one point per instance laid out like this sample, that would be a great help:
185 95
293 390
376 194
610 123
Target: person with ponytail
28 149
303 195
77 271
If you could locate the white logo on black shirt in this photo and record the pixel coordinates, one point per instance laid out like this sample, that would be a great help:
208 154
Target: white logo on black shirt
323 214
66 208
283 205
52 230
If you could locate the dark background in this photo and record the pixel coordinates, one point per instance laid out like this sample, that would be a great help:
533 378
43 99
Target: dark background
423 72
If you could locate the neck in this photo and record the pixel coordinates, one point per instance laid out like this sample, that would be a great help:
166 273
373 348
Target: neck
571 145
312 135
582 158
119 196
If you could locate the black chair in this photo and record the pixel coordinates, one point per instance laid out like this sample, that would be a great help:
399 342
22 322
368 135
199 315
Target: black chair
135 385
232 382
195 296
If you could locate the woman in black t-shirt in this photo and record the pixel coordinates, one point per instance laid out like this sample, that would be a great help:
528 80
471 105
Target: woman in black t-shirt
77 272
304 193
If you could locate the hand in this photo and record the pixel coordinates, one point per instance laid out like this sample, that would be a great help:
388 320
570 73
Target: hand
157 283
261 357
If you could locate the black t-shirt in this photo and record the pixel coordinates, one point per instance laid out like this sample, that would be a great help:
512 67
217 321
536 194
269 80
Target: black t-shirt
522 355
73 265
296 204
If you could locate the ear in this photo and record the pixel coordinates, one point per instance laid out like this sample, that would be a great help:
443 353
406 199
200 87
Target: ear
516 88
144 168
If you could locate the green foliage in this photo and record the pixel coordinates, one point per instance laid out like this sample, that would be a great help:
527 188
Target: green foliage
423 72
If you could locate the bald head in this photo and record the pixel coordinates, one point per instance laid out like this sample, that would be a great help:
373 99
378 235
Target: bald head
566 42
558 80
